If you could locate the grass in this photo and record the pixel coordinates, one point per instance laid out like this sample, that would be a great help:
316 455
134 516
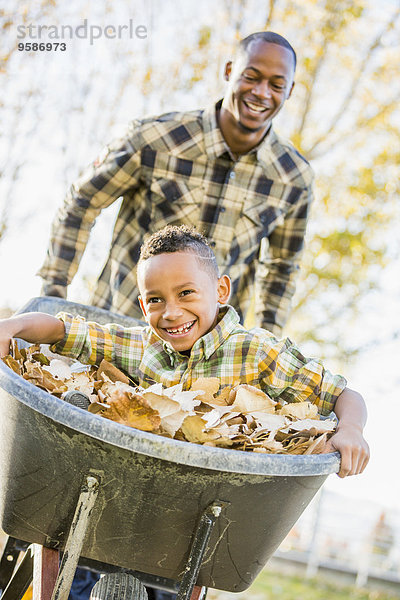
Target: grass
271 585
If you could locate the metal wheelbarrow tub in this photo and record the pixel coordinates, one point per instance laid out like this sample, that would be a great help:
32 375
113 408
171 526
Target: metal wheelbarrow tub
152 489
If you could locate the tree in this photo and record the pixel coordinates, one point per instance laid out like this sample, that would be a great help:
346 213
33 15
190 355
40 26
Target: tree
342 116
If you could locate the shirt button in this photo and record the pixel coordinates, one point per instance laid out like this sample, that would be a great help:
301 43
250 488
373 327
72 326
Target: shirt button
232 174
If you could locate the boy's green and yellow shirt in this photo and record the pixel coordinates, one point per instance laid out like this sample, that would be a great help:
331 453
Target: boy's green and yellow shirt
229 352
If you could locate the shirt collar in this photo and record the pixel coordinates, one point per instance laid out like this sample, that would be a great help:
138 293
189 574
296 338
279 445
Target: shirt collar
214 141
228 321
216 145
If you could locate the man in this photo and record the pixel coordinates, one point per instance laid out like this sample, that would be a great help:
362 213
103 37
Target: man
222 169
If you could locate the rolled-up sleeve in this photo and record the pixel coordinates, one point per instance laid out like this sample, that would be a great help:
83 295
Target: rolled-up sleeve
90 343
288 375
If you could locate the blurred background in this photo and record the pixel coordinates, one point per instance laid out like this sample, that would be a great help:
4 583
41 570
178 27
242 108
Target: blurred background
59 108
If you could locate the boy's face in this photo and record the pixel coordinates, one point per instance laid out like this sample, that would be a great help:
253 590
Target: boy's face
179 298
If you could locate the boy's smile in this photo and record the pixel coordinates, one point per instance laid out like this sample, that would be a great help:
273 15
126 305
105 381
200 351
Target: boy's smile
180 297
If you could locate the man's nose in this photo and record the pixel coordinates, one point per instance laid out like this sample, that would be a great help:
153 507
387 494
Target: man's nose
262 89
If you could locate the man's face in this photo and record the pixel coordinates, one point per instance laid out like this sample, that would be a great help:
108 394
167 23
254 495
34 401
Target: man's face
259 83
179 298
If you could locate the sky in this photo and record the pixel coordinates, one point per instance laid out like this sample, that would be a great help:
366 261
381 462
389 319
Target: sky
31 202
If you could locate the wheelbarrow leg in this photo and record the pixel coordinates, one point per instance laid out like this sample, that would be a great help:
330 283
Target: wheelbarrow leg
76 535
51 582
187 588
199 592
45 571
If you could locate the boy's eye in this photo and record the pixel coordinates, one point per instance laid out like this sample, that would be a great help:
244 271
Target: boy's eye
154 300
186 292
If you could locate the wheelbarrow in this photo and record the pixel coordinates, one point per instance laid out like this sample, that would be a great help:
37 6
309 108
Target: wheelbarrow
176 515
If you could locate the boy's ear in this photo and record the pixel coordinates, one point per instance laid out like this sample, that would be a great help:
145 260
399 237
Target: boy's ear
142 307
224 289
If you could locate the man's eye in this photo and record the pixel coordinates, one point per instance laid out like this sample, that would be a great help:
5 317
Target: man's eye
248 77
153 300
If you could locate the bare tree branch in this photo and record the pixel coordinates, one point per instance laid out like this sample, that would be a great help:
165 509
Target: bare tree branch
270 17
362 123
355 85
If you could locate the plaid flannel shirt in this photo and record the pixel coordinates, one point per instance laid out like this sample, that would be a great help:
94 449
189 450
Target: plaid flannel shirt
229 352
175 169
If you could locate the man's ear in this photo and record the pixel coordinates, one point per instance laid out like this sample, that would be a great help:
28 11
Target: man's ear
142 307
224 289
228 70
290 91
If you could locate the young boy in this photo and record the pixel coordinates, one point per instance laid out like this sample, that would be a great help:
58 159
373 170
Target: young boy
193 333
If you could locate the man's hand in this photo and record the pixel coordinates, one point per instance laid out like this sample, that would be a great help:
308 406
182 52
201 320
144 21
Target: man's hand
353 448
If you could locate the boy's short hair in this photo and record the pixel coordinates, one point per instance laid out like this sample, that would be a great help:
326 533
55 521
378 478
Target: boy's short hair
180 238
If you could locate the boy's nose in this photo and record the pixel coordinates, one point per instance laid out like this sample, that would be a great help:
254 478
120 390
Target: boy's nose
172 311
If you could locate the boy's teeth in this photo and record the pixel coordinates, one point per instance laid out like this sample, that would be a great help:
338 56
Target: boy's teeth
181 329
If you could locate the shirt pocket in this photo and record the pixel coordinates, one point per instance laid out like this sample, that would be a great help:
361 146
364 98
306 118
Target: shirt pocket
174 202
262 217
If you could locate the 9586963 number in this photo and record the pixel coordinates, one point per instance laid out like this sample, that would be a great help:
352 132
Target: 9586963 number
42 46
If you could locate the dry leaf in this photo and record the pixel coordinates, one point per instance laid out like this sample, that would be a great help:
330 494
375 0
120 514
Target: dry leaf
320 426
193 430
249 399
300 410
112 372
13 364
269 421
318 444
58 369
209 385
130 409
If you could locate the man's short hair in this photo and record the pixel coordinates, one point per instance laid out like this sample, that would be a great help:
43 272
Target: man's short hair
180 238
269 37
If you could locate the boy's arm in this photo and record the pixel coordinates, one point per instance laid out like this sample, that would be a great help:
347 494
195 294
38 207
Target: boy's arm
348 439
34 327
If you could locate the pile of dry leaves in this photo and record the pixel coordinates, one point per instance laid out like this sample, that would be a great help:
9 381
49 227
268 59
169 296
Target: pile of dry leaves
240 417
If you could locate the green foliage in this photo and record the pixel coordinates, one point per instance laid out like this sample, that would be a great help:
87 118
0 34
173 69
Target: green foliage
275 585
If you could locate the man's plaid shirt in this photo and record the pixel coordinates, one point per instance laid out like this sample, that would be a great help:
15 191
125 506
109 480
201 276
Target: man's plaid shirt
175 169
229 351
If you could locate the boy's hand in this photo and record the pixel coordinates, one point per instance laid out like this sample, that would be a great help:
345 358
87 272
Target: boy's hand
5 337
353 448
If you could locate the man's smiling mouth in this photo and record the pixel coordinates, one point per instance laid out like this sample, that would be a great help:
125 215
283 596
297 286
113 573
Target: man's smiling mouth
258 108
181 329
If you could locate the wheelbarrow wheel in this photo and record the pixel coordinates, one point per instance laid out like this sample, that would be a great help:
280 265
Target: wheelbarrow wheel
118 586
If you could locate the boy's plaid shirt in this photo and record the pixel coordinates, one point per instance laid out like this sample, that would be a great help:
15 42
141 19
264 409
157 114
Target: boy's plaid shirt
175 169
229 352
